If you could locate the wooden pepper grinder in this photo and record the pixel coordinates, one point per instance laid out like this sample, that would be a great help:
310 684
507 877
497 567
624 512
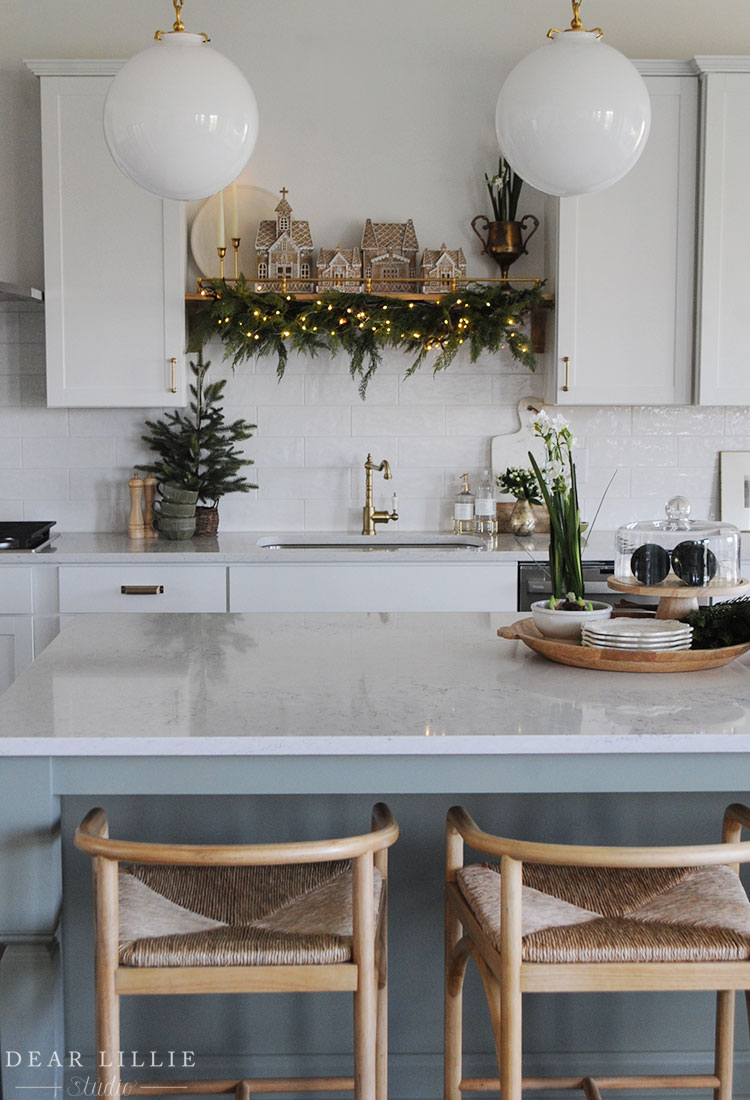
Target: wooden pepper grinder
136 528
149 515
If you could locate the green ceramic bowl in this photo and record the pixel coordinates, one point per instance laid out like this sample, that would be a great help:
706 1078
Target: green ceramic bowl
173 509
177 494
176 527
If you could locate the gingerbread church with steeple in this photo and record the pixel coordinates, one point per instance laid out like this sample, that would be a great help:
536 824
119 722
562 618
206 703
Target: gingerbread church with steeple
284 250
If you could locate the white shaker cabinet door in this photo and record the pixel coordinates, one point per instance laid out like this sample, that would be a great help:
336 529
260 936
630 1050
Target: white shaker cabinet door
723 327
623 262
114 259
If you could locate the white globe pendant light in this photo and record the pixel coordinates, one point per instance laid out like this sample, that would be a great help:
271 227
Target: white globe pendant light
574 116
179 118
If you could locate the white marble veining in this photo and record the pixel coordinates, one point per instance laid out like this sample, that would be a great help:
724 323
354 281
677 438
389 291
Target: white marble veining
364 685
245 546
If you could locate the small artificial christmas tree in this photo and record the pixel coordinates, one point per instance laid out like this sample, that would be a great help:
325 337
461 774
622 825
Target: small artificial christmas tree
197 450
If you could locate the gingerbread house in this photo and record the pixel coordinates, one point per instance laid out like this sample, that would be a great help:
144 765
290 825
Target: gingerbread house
440 268
389 256
284 250
340 269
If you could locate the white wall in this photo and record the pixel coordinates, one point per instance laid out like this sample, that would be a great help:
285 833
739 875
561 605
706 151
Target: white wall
382 110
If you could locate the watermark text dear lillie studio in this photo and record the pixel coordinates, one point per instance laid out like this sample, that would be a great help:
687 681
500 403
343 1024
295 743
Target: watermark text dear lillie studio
97 1084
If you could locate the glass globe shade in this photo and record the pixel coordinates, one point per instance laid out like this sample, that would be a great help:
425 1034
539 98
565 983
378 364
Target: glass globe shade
573 116
180 119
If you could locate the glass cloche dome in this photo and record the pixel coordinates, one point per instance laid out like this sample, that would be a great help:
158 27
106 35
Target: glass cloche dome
678 550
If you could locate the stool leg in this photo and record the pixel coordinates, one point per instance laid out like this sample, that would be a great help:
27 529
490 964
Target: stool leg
106 962
381 1023
724 1058
453 994
366 994
453 1009
510 979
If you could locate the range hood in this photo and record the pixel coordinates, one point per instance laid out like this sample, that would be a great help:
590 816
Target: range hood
12 292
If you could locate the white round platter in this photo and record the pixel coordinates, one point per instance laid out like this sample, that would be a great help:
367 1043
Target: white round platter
254 205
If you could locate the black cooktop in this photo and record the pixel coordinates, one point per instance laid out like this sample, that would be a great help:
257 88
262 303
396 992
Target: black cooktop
25 535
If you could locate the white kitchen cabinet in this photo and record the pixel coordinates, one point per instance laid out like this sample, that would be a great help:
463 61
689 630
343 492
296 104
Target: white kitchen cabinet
114 258
392 586
723 319
621 263
139 588
16 647
28 617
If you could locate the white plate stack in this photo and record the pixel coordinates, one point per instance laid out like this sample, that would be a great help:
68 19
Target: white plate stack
641 634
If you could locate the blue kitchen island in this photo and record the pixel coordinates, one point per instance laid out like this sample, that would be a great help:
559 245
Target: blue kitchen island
329 711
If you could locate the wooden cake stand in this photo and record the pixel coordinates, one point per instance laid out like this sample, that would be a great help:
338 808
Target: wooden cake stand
677 600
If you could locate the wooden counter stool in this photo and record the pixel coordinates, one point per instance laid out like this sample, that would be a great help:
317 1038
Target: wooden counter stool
551 918
249 918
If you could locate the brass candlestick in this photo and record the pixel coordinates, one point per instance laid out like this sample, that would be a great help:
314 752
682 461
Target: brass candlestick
221 249
236 247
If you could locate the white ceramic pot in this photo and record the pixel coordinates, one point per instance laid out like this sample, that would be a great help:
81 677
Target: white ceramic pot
566 625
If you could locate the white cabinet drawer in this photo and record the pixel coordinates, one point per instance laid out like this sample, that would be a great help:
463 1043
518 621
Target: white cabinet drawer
15 590
391 586
138 588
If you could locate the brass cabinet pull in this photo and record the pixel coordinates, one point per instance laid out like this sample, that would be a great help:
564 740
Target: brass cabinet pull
141 589
566 383
173 387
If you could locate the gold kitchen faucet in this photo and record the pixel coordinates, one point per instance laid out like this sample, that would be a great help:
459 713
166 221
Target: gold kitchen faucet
369 515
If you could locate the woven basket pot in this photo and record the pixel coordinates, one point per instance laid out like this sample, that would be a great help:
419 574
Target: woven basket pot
206 521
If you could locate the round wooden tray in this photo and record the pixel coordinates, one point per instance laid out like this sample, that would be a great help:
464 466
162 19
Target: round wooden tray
619 660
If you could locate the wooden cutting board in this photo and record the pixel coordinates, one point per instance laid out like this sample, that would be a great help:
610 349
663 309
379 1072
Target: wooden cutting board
513 449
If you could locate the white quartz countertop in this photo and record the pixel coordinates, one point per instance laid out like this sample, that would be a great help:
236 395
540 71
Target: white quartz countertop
363 685
242 546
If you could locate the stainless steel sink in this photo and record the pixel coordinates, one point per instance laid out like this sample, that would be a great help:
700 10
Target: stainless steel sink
372 542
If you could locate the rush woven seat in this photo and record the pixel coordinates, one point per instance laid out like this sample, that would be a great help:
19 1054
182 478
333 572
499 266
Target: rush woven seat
556 918
615 914
237 916
303 917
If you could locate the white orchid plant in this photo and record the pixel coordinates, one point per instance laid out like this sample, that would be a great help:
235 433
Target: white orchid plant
559 489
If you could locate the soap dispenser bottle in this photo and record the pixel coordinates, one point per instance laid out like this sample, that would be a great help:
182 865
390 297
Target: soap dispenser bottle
485 515
463 509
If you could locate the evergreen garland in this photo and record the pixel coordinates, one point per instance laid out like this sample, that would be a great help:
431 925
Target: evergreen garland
197 450
248 323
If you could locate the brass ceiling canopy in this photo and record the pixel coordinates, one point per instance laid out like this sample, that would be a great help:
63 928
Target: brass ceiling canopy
575 23
178 26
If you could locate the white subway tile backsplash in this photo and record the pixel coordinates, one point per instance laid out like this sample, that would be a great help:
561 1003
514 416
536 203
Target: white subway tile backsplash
678 420
22 358
337 389
43 484
737 422
244 388
245 512
377 421
455 453
704 450
70 452
444 388
281 451
350 451
10 452
314 433
468 420
33 422
614 420
305 484
303 422
623 450
693 483
9 327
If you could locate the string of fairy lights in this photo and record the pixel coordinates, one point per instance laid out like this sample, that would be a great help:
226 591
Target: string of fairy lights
488 318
